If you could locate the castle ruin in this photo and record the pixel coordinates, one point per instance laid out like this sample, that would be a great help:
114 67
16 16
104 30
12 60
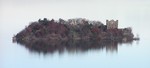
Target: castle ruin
112 24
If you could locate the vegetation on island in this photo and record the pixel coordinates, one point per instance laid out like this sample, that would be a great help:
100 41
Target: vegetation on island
42 34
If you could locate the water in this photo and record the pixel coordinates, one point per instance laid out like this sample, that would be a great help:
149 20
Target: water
15 15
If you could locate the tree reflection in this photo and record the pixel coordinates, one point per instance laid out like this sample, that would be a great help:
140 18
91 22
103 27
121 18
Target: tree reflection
72 46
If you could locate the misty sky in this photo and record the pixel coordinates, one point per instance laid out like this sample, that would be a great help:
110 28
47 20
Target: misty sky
95 9
132 13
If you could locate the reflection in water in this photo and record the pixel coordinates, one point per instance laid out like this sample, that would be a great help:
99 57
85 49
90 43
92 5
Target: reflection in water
72 46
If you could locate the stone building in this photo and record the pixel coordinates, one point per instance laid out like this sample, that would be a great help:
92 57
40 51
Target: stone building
112 24
76 21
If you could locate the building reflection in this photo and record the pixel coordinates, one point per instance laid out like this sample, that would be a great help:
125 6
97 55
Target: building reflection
73 46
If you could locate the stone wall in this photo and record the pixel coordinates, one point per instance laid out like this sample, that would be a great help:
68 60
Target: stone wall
112 24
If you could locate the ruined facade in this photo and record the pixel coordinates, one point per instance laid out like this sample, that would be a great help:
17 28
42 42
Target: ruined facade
76 21
112 24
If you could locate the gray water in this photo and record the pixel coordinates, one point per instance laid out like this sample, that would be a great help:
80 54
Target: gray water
16 14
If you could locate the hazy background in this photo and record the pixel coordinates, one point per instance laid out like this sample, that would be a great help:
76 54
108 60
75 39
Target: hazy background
132 13
16 14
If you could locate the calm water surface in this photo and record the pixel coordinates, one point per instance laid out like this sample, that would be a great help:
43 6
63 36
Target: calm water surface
15 15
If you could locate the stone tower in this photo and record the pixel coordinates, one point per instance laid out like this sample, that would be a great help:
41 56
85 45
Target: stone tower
112 24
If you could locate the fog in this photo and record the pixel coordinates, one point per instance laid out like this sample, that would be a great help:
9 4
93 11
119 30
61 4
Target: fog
16 14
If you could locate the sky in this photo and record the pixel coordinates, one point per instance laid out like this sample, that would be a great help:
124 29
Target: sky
132 13
74 8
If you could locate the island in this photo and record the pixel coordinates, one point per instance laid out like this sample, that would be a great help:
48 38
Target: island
49 35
